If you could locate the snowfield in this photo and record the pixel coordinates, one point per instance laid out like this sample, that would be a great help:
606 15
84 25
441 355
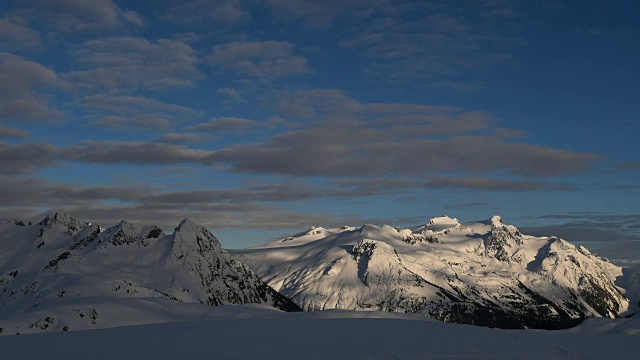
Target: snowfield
257 332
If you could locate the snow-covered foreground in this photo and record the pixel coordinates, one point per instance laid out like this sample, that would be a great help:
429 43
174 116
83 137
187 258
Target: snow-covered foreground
257 332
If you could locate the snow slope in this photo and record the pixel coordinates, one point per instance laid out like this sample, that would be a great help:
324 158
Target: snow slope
484 273
61 274
629 281
241 332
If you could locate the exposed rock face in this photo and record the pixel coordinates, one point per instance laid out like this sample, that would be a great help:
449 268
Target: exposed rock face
485 273
66 271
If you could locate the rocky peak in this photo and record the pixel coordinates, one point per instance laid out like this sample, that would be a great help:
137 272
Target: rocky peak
126 233
363 248
503 240
190 237
496 222
62 219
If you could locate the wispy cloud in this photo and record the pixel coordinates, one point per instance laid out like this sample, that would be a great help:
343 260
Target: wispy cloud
337 105
22 82
117 152
16 37
499 185
128 64
227 125
404 40
344 148
181 138
135 112
25 158
190 13
8 132
78 17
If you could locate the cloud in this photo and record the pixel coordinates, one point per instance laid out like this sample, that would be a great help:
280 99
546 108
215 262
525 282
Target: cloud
344 137
249 205
18 37
354 150
36 192
74 16
337 105
226 13
405 40
628 166
430 44
313 14
7 132
353 188
623 187
127 112
116 152
181 138
129 64
21 84
238 217
233 96
227 124
249 194
499 185
25 158
23 198
261 59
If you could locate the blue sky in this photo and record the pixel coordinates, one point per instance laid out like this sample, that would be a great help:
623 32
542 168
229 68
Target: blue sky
259 118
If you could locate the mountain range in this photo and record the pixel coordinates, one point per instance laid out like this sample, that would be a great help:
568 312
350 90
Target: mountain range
484 273
62 274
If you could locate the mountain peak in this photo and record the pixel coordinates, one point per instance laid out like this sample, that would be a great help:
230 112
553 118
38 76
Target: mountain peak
443 220
496 221
446 271
89 278
63 219
187 224
57 218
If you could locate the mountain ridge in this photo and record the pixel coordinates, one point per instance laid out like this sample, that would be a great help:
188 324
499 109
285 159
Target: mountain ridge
61 273
485 273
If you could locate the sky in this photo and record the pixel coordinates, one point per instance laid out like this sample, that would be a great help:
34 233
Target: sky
261 118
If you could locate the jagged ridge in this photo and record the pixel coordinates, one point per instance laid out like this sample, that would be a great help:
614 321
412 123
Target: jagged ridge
60 272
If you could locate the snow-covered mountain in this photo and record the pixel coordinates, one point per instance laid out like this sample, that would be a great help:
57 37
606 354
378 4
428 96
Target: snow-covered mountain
484 273
62 274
